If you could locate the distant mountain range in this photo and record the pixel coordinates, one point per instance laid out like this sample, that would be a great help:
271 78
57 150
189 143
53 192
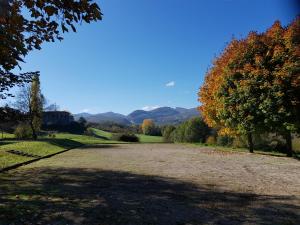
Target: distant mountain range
161 116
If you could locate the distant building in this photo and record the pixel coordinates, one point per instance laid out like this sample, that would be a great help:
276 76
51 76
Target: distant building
57 118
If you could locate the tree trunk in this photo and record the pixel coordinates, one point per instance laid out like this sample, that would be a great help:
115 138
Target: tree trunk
250 143
288 140
34 135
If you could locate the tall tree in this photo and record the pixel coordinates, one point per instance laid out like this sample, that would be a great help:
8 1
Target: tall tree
30 102
36 107
148 126
45 21
283 63
254 85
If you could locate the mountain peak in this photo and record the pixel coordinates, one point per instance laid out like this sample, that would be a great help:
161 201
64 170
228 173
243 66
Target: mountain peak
162 115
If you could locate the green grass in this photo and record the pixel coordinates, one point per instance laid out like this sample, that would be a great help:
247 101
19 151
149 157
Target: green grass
150 139
46 146
84 139
143 138
101 133
6 135
43 147
39 148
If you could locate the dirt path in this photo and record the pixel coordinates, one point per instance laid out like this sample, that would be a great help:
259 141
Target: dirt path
145 184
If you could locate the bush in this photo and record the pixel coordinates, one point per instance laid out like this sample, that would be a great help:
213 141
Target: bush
167 131
178 134
211 140
23 131
224 140
193 130
125 137
239 142
277 145
51 135
196 130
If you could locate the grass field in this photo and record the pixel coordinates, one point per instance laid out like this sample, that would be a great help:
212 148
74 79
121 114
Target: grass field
143 138
6 135
84 139
101 133
149 139
38 148
62 141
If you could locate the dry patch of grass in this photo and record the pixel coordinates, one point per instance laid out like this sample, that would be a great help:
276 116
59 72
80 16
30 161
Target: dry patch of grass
152 184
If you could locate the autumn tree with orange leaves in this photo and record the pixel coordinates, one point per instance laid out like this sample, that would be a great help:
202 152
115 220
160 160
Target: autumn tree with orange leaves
254 85
148 126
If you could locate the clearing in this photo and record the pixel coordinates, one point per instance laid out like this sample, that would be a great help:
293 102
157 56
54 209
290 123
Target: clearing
143 184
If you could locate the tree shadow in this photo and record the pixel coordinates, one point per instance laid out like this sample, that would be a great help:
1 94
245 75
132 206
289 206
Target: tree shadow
100 146
295 156
64 143
6 142
90 196
101 137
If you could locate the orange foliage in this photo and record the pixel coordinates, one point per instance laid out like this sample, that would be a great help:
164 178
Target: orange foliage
266 59
147 125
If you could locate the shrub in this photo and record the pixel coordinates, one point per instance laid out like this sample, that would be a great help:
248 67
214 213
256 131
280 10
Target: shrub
277 145
269 142
211 140
125 137
196 130
167 131
224 140
23 131
51 135
193 130
239 142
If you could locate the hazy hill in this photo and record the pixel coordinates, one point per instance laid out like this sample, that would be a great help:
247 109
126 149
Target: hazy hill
162 115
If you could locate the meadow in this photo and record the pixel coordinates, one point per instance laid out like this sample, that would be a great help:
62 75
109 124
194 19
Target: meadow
27 150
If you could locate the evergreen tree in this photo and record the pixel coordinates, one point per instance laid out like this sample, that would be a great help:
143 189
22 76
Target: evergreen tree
36 107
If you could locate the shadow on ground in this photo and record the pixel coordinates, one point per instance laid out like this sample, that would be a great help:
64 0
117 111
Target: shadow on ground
100 146
88 196
296 155
8 142
101 137
64 143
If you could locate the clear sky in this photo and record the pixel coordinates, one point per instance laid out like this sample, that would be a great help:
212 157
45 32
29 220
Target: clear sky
147 53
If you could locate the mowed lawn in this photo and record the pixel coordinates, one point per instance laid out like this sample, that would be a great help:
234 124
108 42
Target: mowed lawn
152 184
47 146
143 138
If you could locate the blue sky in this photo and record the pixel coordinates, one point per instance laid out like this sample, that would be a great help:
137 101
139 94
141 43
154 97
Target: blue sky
147 53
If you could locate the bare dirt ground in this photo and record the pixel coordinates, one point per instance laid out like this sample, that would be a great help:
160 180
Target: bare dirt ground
149 184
